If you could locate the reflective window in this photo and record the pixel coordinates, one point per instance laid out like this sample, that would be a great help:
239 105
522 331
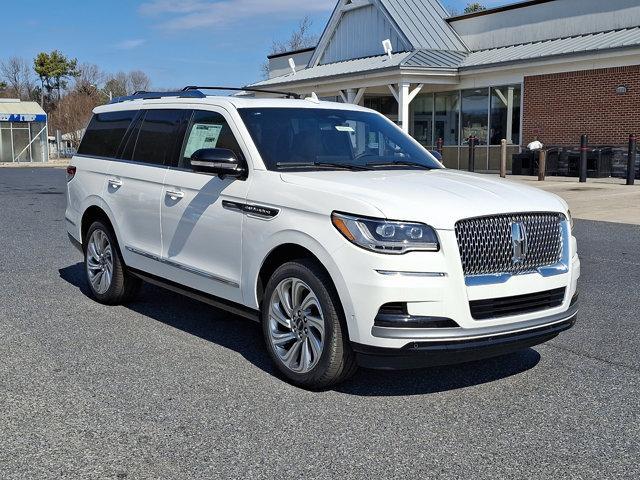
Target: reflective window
422 115
475 115
158 137
447 113
207 130
505 114
105 133
307 137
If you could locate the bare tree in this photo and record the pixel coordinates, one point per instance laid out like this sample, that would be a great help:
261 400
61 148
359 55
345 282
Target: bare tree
72 114
126 83
138 81
16 73
90 78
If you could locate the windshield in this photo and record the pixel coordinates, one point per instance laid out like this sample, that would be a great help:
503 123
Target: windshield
315 138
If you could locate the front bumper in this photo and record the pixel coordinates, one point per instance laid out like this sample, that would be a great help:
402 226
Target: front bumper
472 345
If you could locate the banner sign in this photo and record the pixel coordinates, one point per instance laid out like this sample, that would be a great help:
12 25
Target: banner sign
18 117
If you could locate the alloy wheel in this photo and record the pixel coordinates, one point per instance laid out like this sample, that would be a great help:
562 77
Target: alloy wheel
296 325
99 261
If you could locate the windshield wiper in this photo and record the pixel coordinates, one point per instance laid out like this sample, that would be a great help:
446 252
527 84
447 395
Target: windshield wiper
402 163
344 166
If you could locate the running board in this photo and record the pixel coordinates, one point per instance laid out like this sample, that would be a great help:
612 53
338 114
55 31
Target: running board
212 300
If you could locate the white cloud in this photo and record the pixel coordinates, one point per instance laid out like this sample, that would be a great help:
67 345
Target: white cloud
189 14
130 44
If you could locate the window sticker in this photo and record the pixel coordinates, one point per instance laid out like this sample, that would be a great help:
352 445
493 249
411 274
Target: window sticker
203 135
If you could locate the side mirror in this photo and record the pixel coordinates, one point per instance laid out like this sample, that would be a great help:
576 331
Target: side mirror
217 161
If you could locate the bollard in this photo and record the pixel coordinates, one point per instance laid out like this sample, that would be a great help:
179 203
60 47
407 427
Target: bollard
631 160
503 158
439 144
472 154
542 165
583 158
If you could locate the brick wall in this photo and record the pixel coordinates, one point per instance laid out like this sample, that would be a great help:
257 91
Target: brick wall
558 108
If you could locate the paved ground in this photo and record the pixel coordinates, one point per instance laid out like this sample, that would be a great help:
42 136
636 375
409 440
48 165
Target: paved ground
170 388
604 199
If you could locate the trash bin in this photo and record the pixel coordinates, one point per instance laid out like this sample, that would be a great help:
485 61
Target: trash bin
524 163
599 161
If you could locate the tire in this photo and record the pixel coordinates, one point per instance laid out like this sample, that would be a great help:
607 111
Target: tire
307 338
109 282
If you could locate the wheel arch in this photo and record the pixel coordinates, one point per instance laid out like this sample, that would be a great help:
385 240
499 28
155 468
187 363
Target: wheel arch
301 247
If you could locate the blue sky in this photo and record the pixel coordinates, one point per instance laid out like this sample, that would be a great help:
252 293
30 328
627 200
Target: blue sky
177 42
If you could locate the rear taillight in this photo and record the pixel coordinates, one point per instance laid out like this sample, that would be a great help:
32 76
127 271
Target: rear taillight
71 172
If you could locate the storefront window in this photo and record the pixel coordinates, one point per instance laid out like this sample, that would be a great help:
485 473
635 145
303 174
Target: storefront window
505 114
422 119
446 117
475 115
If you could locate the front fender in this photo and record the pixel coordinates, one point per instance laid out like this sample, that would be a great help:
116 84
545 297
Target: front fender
255 262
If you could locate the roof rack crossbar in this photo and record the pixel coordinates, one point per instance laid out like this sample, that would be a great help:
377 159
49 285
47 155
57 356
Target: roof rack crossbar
191 88
141 95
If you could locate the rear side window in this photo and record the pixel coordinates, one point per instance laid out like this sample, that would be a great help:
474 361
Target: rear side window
159 136
105 133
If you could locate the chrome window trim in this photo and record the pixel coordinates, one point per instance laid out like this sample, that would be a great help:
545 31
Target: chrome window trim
186 268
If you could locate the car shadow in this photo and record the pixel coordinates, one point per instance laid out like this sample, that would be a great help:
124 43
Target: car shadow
245 337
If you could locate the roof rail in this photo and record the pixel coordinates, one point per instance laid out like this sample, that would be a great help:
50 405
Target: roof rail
193 88
154 95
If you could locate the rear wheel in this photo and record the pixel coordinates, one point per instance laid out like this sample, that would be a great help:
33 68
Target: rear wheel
108 279
302 326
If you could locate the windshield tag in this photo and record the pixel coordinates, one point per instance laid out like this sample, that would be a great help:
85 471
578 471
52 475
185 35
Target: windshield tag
345 128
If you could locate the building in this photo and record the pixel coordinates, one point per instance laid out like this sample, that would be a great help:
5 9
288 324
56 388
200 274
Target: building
545 69
23 132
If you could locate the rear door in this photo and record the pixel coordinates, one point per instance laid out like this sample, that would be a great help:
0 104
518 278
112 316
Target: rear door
135 183
202 235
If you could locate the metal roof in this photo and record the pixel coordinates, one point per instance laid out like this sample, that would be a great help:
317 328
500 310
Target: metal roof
447 59
16 107
423 23
435 59
594 42
380 62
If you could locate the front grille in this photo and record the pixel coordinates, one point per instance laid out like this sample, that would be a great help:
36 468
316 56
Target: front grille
486 247
517 305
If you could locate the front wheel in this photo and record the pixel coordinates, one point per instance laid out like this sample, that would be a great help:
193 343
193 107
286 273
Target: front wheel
302 326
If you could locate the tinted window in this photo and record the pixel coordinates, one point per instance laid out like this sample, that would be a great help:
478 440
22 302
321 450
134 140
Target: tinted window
129 142
288 136
208 130
159 134
105 133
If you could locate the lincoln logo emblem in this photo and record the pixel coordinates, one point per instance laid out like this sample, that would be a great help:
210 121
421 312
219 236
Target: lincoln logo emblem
519 241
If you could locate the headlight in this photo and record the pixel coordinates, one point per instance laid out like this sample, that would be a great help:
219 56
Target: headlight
386 236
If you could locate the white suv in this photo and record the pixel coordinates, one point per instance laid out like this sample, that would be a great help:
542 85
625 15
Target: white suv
342 235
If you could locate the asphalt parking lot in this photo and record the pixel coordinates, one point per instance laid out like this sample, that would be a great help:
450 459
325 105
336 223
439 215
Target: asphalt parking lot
170 388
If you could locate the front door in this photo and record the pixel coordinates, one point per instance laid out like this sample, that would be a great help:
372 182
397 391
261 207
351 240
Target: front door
202 240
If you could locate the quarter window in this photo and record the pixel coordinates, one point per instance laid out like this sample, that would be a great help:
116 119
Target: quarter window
207 130
105 133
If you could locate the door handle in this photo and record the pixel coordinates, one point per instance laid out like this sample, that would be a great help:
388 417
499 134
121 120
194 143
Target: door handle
115 183
174 194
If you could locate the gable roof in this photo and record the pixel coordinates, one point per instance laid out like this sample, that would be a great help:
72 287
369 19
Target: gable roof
421 22
424 24
463 60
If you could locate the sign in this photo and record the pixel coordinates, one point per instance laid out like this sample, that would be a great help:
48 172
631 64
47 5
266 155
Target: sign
22 117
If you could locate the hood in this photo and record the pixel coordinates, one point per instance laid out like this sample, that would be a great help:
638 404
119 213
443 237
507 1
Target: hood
437 197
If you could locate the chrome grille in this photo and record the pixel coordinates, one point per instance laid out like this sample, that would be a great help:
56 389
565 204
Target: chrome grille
486 247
